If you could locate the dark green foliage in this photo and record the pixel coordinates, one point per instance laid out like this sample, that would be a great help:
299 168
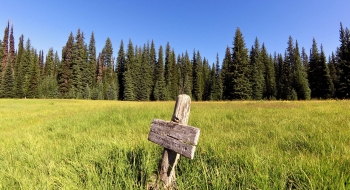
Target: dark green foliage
91 68
145 80
286 79
257 72
217 85
64 75
87 92
49 87
227 73
344 63
8 82
198 82
49 64
120 70
319 78
5 44
240 62
208 74
300 81
12 52
334 72
270 90
159 91
112 93
77 62
128 75
18 69
33 88
152 67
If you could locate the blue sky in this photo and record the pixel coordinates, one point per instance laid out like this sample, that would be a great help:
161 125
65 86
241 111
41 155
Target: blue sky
207 26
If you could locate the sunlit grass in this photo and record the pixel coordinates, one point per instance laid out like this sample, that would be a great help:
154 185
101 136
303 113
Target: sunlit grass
77 144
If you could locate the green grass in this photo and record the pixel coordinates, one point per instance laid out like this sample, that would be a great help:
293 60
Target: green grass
77 144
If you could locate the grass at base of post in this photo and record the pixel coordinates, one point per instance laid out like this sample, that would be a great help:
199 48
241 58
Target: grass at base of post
77 144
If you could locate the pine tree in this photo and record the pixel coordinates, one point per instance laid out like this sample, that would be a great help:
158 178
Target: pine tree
76 64
121 69
33 89
152 67
8 81
168 72
145 79
207 80
92 61
319 77
300 82
159 91
344 63
5 49
187 81
334 73
64 75
128 75
217 85
305 60
197 64
18 69
49 64
227 73
108 65
12 53
257 74
240 62
270 91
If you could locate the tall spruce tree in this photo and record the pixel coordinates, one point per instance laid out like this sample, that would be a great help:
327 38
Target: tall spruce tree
217 88
120 70
18 69
319 77
33 88
300 82
128 74
160 92
5 48
344 63
240 62
8 81
64 74
257 72
198 84
152 67
92 61
227 73
334 73
269 74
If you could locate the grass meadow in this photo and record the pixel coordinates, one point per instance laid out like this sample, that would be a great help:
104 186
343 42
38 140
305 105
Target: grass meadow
81 144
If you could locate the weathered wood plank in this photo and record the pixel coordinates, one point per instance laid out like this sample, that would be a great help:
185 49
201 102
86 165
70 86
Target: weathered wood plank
170 158
184 133
175 145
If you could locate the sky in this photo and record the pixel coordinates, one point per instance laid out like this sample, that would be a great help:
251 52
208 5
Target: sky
207 25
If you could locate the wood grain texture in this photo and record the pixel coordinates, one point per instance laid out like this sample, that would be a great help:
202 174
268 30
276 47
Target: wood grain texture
175 145
183 133
170 158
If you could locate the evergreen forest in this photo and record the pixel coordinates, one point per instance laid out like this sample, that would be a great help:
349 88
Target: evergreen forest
154 73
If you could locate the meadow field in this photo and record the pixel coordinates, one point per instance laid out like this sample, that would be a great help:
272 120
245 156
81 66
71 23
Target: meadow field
82 144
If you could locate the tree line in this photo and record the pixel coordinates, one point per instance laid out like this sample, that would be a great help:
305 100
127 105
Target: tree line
144 73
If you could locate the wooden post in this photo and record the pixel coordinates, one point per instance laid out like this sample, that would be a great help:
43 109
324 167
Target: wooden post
170 158
177 139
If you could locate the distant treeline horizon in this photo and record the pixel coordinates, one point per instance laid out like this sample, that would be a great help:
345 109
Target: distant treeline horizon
149 73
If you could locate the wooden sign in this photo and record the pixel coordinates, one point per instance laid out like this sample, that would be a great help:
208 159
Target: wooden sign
176 138
180 138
